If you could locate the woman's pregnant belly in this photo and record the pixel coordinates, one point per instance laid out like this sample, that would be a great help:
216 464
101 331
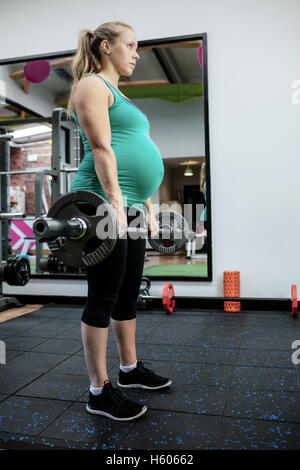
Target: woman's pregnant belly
140 169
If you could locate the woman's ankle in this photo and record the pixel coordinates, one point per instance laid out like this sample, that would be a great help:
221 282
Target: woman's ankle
99 382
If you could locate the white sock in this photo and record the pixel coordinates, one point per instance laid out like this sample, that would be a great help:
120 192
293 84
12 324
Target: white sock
128 368
95 390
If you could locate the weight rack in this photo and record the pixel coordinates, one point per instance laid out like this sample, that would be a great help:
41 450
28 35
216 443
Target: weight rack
65 159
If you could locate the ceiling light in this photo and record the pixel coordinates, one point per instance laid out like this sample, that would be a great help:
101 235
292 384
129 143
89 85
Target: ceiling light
31 131
188 171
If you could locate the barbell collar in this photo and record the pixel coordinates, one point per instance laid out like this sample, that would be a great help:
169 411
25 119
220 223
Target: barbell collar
84 227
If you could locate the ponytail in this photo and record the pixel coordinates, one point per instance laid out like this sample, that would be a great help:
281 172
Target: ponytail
88 56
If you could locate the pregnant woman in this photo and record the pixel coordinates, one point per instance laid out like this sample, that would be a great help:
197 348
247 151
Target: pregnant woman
123 165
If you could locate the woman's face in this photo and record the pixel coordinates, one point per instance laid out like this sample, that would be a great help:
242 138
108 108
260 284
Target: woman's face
123 53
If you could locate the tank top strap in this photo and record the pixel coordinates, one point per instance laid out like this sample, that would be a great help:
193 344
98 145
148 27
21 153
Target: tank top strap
115 93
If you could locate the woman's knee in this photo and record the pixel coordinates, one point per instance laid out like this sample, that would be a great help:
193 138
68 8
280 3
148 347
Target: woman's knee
100 318
122 316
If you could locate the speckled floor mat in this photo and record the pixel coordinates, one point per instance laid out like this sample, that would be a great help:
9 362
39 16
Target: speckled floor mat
234 383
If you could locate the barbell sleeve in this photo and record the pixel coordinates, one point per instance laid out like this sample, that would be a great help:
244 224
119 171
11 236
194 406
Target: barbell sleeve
50 229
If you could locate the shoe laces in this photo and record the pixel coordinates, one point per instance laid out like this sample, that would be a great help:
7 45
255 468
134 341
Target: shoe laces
117 396
141 364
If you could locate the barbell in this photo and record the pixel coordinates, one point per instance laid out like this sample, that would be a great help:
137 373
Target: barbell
81 229
168 298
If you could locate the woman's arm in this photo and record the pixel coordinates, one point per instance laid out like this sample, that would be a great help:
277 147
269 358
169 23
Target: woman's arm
151 219
148 204
91 105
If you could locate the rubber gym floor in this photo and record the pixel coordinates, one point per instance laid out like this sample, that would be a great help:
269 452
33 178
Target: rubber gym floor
234 383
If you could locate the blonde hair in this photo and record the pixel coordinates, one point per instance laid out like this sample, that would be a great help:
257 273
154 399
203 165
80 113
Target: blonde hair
88 56
202 175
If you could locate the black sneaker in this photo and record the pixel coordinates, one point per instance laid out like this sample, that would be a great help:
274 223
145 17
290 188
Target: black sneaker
113 404
141 377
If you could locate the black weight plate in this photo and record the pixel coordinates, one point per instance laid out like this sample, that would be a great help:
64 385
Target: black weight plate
16 272
89 249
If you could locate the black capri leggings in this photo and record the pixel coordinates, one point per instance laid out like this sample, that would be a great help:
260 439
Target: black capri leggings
114 284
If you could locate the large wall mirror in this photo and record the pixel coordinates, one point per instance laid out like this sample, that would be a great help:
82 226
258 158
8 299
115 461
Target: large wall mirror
169 85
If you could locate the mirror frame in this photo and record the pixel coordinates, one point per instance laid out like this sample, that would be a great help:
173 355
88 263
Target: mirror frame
147 43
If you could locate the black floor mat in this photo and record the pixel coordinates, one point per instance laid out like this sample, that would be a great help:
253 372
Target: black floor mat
234 383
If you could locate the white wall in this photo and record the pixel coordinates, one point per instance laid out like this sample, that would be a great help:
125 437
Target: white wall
253 60
177 129
40 101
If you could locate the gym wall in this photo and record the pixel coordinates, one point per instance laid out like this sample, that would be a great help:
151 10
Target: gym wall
253 62
34 156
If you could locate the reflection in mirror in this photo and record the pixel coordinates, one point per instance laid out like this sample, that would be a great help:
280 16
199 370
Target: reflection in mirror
168 86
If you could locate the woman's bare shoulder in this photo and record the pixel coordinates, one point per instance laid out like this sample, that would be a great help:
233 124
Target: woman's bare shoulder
90 87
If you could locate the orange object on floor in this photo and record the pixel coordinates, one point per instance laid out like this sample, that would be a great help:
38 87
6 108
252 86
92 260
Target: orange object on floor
168 297
294 300
231 287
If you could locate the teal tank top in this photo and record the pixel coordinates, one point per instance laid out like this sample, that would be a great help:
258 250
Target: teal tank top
139 162
203 213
